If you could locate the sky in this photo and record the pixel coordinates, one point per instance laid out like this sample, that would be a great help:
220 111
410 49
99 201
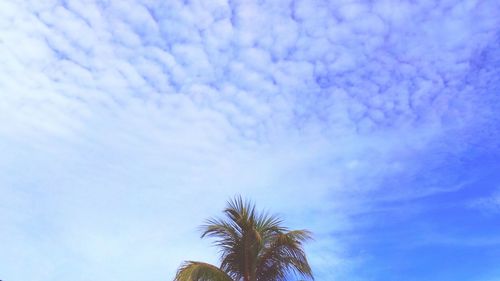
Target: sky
124 124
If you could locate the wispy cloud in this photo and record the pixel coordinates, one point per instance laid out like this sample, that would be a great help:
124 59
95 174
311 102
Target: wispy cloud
488 204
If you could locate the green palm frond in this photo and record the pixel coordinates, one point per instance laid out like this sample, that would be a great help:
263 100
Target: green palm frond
284 255
253 246
199 271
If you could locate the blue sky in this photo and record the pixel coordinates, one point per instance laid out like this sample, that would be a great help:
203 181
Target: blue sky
124 124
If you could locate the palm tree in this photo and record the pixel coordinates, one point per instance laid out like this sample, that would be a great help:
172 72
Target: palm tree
253 247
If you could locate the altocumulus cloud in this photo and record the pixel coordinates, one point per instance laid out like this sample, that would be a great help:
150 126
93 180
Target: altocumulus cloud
125 123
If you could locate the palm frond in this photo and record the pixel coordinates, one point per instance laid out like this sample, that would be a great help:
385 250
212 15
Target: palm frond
284 255
253 246
199 271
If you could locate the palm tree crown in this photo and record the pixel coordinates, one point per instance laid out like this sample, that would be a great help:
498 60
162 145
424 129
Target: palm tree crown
253 246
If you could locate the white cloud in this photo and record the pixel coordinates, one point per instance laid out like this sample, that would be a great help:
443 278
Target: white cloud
125 124
488 204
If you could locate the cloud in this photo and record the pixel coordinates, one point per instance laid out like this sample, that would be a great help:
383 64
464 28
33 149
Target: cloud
488 204
126 123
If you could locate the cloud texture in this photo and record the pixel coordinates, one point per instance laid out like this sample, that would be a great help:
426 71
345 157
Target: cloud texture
123 124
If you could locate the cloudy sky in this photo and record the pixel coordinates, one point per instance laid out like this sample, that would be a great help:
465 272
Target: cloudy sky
125 123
